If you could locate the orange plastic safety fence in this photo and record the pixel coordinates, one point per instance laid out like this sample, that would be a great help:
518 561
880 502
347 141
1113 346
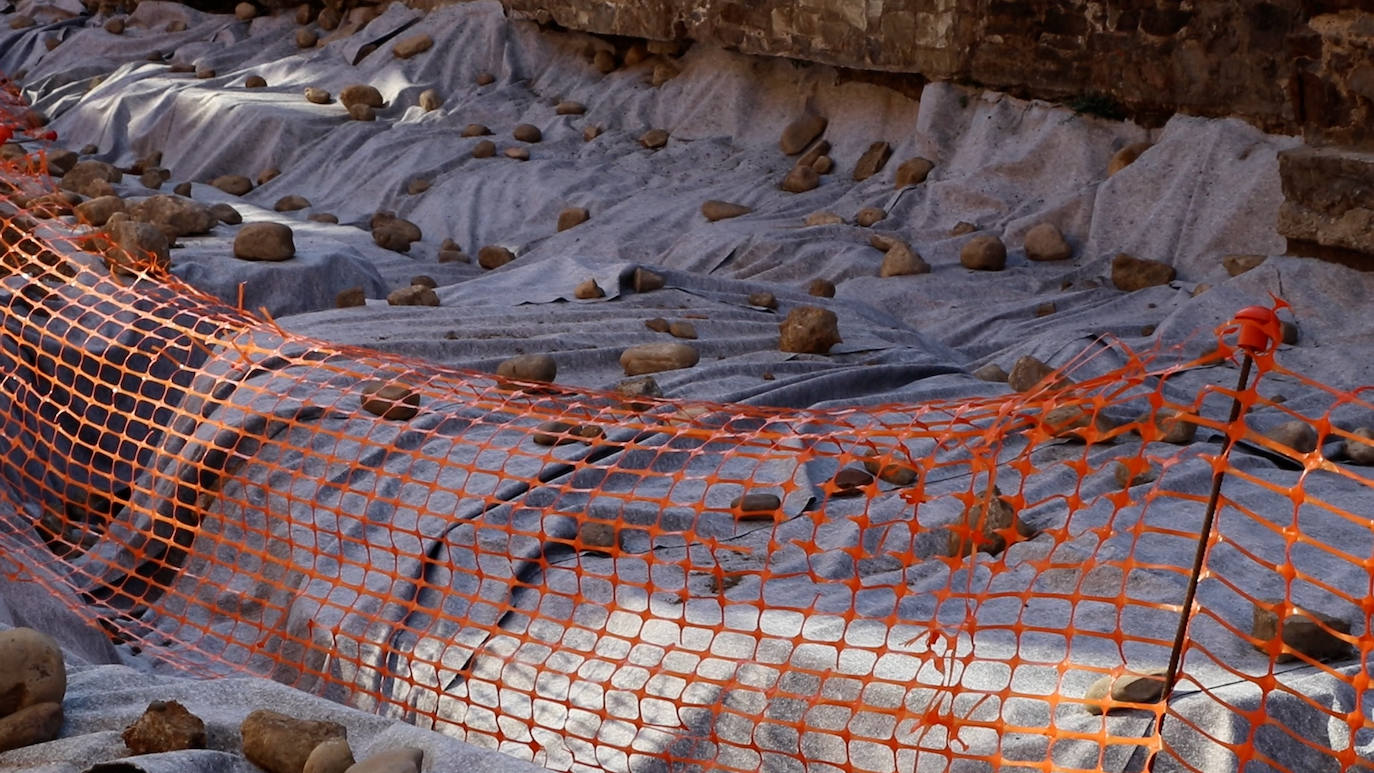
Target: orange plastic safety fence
594 581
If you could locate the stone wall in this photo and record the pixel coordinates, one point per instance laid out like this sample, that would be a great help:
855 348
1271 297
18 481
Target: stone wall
1289 66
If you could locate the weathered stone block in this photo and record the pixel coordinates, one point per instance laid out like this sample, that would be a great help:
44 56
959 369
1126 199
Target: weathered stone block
1328 208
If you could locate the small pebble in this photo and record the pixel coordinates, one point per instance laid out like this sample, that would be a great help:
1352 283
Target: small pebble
1044 242
264 241
1130 273
809 330
322 217
291 203
572 217
800 180
589 290
1297 435
484 149
763 299
476 130
983 526
913 171
1359 449
97 211
1122 473
492 256
245 11
417 186
901 260
331 756
233 184
225 213
569 108
279 743
868 216
306 38
255 82
645 281
393 402
317 96
821 288
598 537
636 53
1236 265
1310 633
654 139
268 174
642 386
657 324
115 26
32 670
165 726
962 227
872 161
353 296
591 132
30 725
653 358
714 210
1288 332
554 433
991 372
897 474
1103 694
429 100
361 94
984 253
1028 373
801 132
519 154
756 506
817 151
529 367
361 112
851 482
823 218
411 46
682 329
413 296
1125 157
484 79
527 133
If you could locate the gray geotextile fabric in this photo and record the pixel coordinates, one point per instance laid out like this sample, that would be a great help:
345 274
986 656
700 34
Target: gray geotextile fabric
1205 189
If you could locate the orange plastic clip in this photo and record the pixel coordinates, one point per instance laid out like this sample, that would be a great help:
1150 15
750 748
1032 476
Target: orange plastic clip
1259 328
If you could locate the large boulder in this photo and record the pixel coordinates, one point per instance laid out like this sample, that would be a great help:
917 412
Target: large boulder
174 215
91 178
264 241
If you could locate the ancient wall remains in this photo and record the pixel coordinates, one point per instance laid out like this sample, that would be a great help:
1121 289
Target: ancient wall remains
1291 66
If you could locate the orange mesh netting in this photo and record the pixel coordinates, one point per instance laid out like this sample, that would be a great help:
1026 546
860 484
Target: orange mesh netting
596 581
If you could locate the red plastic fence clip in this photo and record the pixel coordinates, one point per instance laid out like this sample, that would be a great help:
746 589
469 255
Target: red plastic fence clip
1259 328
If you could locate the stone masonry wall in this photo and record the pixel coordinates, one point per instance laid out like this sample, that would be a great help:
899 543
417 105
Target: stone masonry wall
1290 66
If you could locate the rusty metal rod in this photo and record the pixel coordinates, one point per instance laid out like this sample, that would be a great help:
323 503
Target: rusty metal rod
1200 556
